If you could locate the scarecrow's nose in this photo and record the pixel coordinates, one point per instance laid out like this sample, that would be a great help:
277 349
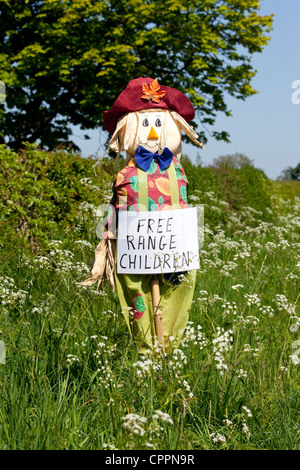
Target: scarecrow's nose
152 134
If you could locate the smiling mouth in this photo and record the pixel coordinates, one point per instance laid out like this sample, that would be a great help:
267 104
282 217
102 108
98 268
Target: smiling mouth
155 144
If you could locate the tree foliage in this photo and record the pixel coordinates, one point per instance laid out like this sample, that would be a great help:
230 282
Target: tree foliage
295 173
237 160
64 62
290 173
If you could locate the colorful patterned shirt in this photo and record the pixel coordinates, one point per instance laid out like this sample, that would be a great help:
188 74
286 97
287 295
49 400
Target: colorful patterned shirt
126 192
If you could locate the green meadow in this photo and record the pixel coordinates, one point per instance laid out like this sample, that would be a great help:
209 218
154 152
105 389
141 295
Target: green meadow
70 376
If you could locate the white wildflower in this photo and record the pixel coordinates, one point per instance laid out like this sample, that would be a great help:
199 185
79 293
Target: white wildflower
9 295
295 359
237 286
267 310
247 411
83 243
283 304
216 437
221 345
246 430
230 308
242 373
134 424
227 422
72 359
252 299
165 417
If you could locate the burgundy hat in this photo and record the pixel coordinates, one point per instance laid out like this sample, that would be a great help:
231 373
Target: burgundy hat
145 93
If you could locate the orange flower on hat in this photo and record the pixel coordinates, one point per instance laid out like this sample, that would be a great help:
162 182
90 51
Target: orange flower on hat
152 92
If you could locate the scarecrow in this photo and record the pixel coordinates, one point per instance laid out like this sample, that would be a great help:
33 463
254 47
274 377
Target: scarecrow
146 122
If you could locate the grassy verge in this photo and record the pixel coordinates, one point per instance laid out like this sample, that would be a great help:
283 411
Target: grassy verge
73 380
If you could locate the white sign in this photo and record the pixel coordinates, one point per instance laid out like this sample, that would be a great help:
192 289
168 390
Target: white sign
157 242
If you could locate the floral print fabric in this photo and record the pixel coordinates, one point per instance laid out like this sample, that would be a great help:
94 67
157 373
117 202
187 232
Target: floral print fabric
125 191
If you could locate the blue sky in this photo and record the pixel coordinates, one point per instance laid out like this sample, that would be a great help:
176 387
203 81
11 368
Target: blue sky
265 127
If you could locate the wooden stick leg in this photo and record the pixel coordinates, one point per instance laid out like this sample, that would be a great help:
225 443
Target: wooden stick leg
157 311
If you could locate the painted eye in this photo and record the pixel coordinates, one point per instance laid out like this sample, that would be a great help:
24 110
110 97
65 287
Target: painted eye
145 122
158 122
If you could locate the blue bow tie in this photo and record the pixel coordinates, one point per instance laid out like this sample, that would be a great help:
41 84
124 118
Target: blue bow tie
144 157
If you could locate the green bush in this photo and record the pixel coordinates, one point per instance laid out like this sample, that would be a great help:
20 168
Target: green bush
284 194
237 189
245 187
45 194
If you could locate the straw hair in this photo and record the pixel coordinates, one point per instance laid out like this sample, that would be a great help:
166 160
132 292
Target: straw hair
120 138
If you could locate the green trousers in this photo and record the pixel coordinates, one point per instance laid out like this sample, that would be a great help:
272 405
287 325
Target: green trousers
175 303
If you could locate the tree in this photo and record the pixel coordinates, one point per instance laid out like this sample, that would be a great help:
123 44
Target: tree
64 62
237 160
295 174
290 173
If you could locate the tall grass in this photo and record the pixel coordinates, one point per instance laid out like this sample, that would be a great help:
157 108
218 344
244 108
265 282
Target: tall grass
72 378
